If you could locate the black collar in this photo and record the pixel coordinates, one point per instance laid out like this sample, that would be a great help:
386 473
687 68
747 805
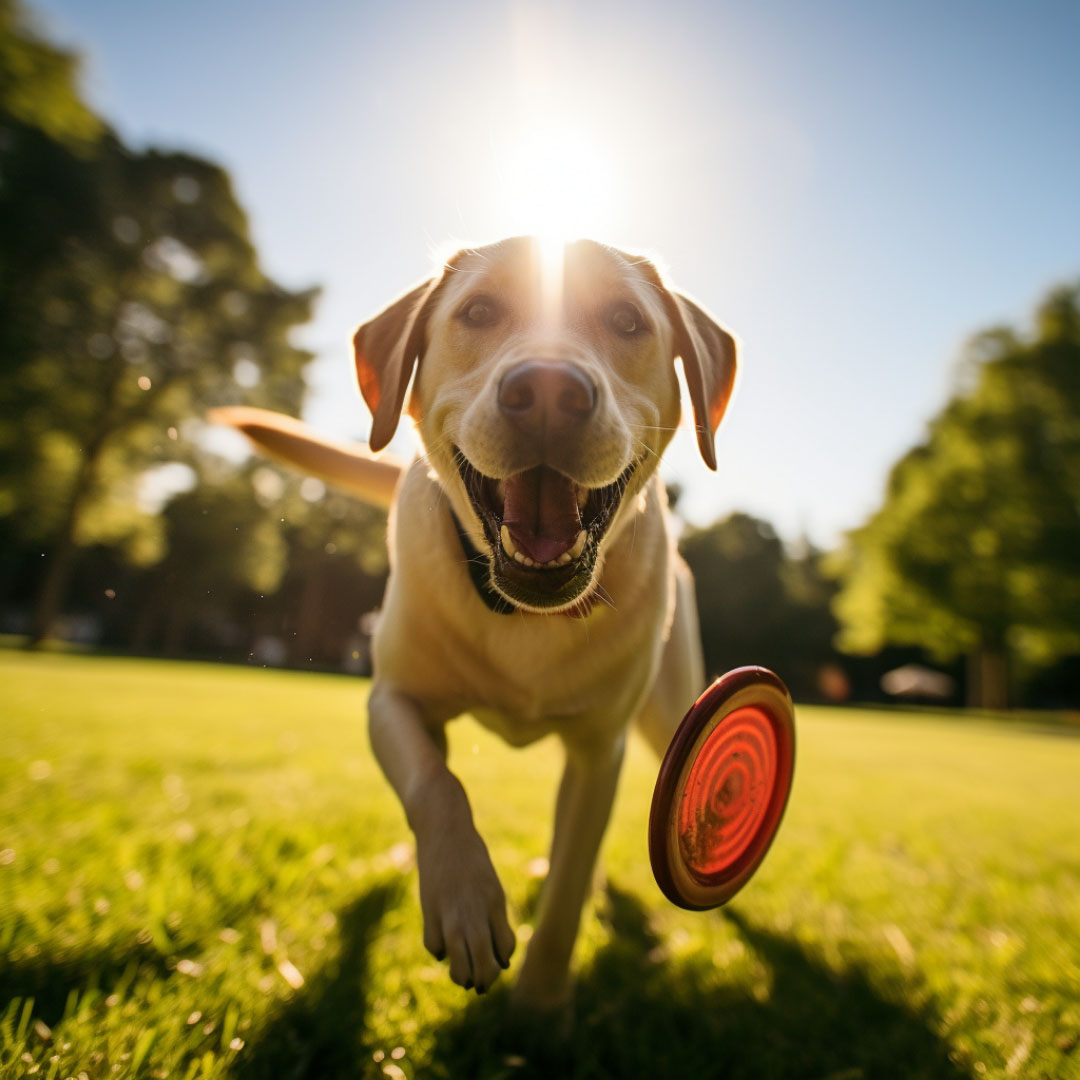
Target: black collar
477 564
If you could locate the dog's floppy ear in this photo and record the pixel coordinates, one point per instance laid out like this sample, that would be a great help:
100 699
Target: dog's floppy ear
710 361
387 348
709 356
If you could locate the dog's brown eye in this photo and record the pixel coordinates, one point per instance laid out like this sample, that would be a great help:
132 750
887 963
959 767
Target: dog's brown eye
625 319
480 312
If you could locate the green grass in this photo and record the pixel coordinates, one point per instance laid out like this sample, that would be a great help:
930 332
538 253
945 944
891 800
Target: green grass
181 844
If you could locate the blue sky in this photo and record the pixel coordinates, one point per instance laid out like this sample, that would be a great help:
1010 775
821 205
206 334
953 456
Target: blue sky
854 188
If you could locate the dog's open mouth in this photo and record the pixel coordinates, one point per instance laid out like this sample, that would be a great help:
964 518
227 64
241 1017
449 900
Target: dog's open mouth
544 530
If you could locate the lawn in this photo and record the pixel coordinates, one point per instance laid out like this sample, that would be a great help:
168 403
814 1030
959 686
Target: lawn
203 874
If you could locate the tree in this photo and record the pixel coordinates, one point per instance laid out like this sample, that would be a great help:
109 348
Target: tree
257 551
976 548
758 604
131 300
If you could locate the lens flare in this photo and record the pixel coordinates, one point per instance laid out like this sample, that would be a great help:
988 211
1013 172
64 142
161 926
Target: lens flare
556 185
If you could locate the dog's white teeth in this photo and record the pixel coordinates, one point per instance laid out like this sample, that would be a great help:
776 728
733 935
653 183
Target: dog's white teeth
551 564
507 543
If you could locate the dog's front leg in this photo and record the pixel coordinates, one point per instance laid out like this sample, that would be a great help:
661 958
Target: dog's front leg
462 901
586 793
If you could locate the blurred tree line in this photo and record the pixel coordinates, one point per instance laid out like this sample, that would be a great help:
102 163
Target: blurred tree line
975 551
131 301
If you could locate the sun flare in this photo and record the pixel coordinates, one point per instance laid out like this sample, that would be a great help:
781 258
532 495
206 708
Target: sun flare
556 184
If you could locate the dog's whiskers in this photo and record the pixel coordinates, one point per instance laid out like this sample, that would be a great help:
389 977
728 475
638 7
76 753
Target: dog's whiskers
645 446
604 595
438 444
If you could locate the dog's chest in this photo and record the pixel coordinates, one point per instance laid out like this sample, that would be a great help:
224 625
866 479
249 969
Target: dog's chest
525 688
525 678
522 675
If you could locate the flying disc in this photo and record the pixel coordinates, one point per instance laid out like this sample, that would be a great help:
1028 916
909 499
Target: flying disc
722 789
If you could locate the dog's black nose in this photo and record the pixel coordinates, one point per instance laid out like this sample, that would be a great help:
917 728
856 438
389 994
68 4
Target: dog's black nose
549 394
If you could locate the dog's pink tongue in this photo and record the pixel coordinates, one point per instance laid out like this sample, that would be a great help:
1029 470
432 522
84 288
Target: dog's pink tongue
541 512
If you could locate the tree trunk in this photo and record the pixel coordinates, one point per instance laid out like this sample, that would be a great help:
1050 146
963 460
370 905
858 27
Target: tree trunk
61 561
988 678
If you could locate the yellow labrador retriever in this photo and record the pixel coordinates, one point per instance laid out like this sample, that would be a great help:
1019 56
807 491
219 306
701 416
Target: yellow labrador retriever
534 582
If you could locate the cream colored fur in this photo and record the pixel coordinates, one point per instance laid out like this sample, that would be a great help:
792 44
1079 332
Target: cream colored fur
626 650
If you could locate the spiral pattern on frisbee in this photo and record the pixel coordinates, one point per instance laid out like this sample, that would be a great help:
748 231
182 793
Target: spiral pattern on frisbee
727 793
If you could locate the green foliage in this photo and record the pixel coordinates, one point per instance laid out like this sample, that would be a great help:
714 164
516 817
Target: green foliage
46 135
977 543
148 317
244 533
37 81
758 604
182 841
131 300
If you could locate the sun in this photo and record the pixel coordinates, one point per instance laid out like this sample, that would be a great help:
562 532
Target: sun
556 183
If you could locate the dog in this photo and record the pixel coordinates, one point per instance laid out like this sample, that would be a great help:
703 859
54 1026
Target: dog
534 581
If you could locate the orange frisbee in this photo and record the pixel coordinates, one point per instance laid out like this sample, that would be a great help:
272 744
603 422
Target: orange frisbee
722 789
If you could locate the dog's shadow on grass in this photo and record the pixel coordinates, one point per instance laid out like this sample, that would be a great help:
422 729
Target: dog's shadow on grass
56 980
639 1013
323 1031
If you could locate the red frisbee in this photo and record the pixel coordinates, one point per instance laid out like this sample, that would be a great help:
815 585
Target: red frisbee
722 789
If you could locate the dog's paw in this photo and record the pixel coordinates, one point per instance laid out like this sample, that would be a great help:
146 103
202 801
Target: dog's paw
464 907
541 991
549 1001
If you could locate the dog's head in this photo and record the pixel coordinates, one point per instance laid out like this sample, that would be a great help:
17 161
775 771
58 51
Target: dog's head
545 395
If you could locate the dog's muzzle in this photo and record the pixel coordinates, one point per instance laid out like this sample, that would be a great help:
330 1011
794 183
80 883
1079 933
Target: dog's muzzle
544 531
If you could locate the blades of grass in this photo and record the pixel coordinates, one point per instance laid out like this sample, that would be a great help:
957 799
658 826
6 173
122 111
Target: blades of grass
228 1025
7 934
142 1048
24 1020
127 977
7 1020
86 1001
